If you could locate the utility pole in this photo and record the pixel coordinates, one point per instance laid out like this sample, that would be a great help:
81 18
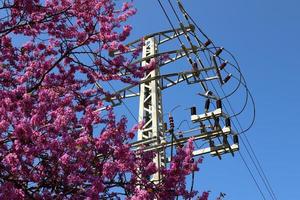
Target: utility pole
150 109
213 126
152 135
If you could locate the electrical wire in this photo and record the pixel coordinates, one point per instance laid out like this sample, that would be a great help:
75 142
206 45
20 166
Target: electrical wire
224 94
204 86
248 92
255 161
252 175
199 42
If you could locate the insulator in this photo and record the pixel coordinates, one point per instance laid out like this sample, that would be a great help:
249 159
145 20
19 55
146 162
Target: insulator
165 126
227 78
171 121
225 141
207 43
227 122
193 111
217 123
206 106
235 139
219 103
223 65
219 51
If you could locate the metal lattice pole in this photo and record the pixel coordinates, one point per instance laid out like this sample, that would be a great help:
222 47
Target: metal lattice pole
150 110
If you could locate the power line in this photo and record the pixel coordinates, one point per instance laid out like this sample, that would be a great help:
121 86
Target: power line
268 184
223 91
252 175
230 107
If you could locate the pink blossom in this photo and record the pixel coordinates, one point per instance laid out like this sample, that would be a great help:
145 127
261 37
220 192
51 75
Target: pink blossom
140 195
56 141
64 159
11 159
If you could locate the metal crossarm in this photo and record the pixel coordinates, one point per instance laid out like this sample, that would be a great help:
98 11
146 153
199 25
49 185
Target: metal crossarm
217 150
160 37
164 58
153 136
166 81
209 115
201 136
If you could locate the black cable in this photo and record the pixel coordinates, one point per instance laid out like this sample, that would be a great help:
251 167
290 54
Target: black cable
254 110
204 86
227 99
260 167
242 131
199 42
252 175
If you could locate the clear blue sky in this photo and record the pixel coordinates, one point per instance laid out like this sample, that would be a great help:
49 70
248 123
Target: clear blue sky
264 36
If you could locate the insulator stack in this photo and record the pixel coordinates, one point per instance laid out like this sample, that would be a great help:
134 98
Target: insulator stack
219 51
217 123
193 111
223 65
171 121
227 122
206 106
227 78
219 103
207 43
235 139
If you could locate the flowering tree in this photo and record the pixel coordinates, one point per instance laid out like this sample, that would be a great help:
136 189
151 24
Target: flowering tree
52 53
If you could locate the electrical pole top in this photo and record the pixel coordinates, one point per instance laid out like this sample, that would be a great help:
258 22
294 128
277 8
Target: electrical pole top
205 67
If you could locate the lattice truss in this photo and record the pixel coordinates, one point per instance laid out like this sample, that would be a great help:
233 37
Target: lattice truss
212 68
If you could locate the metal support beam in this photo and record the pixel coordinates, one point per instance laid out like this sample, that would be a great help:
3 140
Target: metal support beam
150 111
151 136
209 115
160 38
165 81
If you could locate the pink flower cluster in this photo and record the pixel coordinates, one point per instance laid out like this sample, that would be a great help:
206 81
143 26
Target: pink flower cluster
54 141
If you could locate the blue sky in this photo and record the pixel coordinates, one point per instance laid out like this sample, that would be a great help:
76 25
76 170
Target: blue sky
263 35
